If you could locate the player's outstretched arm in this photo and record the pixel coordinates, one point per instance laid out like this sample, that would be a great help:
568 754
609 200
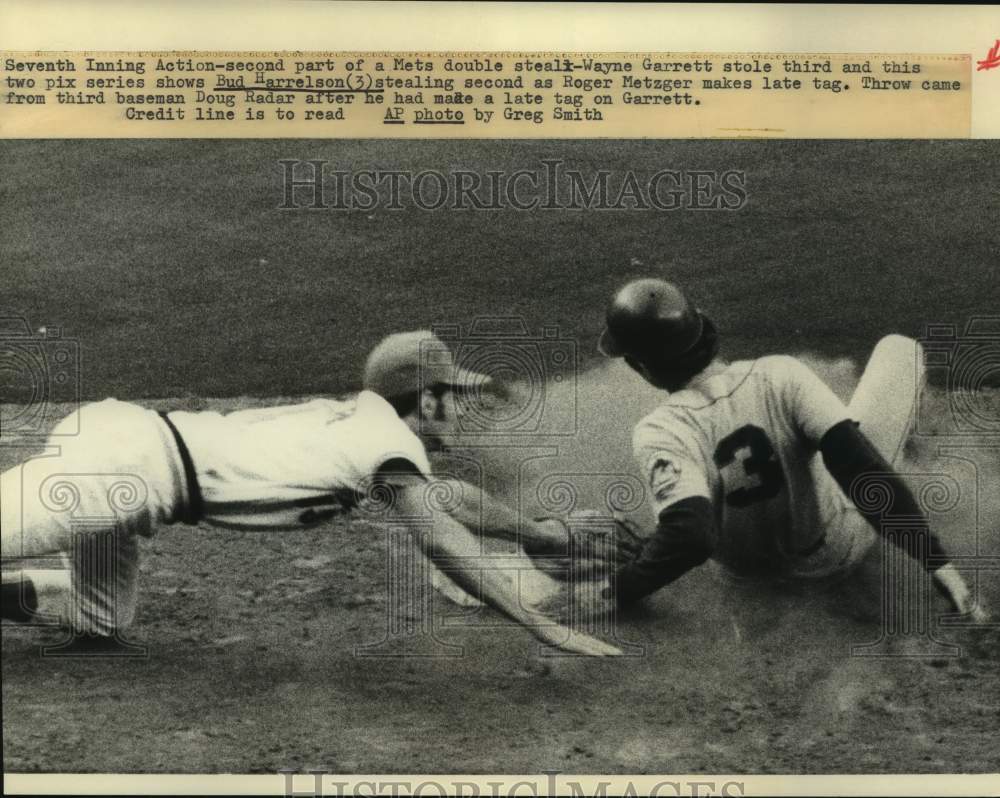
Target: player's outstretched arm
486 515
850 458
455 550
679 544
480 512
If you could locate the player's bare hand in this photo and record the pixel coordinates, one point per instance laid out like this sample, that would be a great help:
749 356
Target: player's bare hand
573 642
952 586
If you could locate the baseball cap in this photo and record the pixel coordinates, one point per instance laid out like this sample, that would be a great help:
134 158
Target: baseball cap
406 362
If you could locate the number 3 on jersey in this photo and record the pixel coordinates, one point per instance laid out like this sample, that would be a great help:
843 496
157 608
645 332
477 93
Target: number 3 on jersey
747 459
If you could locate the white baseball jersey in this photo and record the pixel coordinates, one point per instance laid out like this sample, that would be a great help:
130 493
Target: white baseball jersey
748 441
282 467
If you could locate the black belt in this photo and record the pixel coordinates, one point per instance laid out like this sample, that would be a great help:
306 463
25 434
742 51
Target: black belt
195 509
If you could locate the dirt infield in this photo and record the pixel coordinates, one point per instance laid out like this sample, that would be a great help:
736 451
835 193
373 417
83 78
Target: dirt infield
253 666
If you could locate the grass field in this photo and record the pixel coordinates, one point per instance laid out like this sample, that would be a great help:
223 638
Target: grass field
172 265
184 284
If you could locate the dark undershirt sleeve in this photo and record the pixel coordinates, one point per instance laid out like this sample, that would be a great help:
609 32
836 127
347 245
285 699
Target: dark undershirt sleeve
849 457
394 474
398 467
679 544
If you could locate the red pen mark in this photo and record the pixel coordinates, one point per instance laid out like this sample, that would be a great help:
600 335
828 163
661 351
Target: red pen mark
992 59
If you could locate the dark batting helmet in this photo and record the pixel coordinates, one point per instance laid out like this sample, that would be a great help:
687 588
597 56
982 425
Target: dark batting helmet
659 332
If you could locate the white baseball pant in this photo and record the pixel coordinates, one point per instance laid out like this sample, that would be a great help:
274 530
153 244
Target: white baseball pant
89 499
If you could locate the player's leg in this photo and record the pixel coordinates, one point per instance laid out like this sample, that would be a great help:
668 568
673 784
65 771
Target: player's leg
135 485
884 404
885 401
29 531
105 580
74 566
89 503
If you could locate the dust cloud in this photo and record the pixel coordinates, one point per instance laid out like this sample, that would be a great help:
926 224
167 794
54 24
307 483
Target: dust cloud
608 400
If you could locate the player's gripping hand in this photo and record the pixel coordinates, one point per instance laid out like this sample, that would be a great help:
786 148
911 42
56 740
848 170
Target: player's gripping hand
589 542
629 540
984 639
